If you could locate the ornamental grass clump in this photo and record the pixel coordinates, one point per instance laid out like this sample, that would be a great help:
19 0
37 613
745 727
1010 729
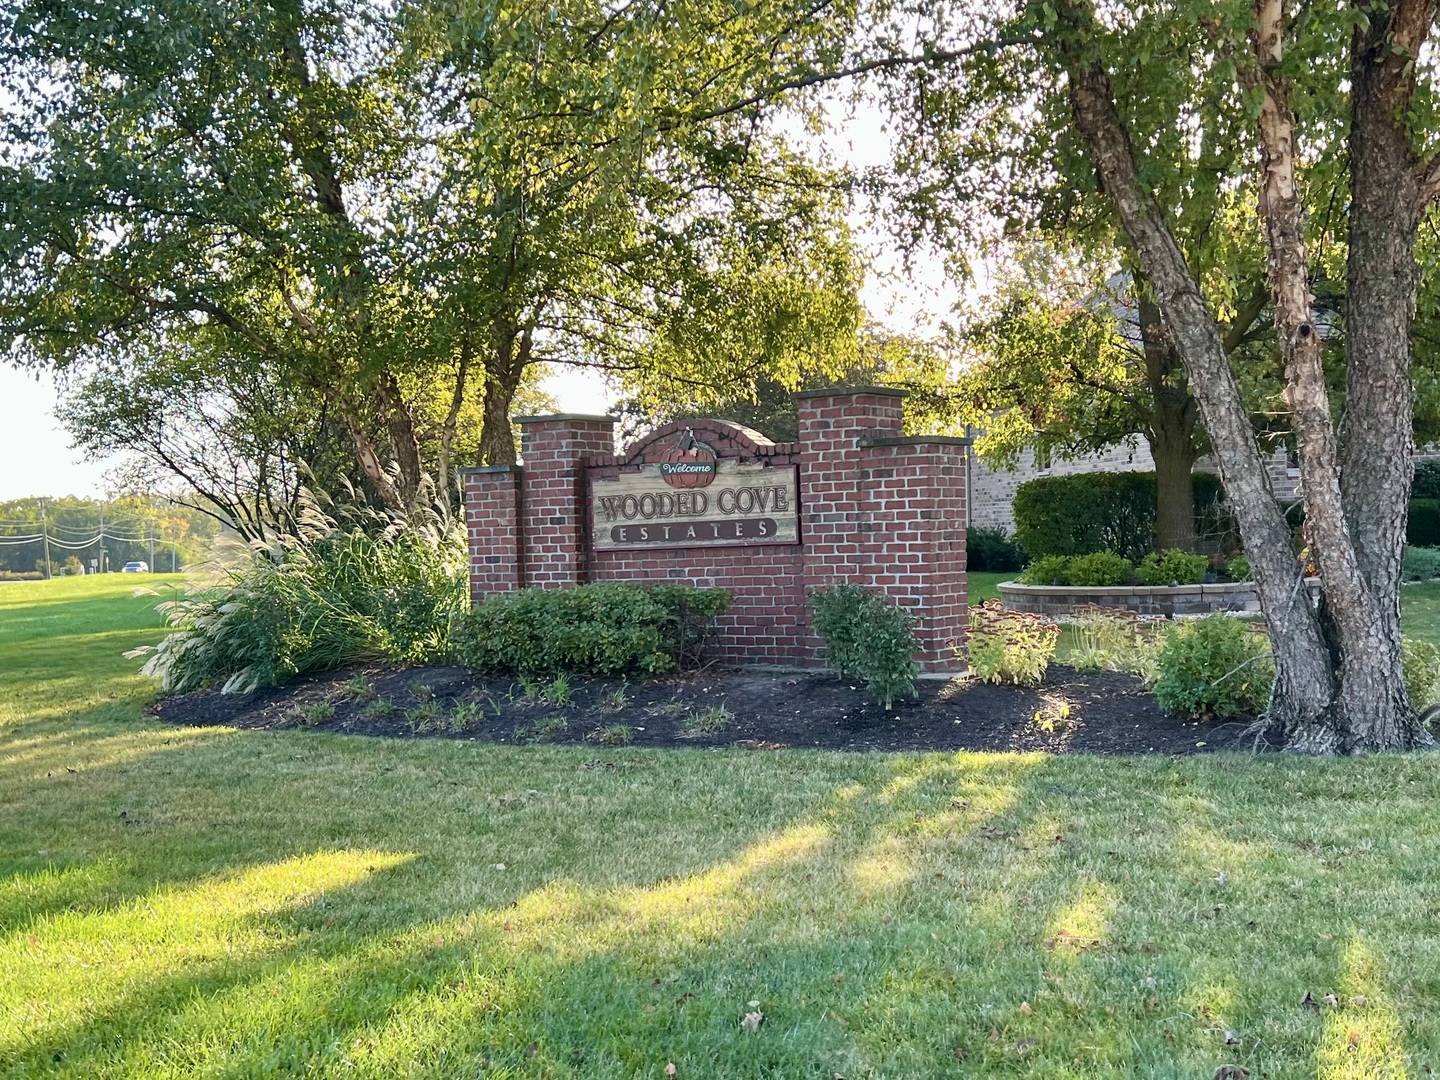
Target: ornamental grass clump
1010 647
1114 639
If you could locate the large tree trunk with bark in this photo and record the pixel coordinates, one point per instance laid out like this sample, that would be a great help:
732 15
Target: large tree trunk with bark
1170 433
510 354
1305 681
400 424
1389 189
1371 711
452 419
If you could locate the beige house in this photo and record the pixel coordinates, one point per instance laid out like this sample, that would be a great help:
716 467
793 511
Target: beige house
992 491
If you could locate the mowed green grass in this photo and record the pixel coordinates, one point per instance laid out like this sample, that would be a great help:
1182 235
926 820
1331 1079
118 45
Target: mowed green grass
182 903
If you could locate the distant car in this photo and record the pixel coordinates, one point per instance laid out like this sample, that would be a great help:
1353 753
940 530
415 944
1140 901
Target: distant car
135 568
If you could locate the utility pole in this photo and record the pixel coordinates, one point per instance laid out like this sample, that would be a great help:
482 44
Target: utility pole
151 563
101 567
45 534
174 543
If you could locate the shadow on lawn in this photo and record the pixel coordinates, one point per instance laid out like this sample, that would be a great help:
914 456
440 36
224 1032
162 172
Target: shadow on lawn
959 915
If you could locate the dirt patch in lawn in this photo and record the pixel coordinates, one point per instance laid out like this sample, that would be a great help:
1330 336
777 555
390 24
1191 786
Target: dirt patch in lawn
1074 712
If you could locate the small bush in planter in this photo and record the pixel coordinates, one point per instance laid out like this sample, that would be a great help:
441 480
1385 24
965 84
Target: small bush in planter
1048 570
1215 666
1013 647
1238 568
1101 569
1172 568
868 638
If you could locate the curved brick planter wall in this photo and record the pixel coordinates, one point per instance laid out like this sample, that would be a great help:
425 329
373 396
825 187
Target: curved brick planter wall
1161 600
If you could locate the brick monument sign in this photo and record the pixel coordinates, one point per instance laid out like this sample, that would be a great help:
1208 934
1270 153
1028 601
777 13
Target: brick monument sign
715 504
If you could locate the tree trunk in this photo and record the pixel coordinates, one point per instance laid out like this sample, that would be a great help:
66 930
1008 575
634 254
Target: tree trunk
1371 712
1174 492
368 459
1388 194
511 353
400 424
452 418
1171 431
1304 684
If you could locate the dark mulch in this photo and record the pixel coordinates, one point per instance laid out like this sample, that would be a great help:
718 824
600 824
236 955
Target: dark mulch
1075 712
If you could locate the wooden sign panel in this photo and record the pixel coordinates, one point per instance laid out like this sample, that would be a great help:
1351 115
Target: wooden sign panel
738 504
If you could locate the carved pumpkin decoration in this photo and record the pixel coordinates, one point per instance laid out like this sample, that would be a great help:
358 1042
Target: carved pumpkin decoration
689 464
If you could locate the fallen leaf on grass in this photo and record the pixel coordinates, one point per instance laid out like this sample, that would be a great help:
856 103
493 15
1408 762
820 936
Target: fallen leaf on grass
752 1021
1025 1009
1231 1072
670 1069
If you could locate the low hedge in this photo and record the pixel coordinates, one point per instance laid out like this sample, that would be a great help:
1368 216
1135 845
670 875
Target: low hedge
1422 527
992 551
1101 511
608 628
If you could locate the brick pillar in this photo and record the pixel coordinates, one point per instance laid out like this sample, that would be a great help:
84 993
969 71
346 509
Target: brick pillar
492 522
885 512
553 518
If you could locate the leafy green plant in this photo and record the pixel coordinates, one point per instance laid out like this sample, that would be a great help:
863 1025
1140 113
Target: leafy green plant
425 717
711 720
378 708
608 628
868 638
1215 666
1238 568
1420 563
1173 567
422 692
615 700
358 688
552 727
466 716
312 715
1420 668
1098 569
557 692
612 735
1048 570
1010 647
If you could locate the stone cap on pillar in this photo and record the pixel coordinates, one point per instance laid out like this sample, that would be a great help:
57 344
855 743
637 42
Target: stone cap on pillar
852 391
567 417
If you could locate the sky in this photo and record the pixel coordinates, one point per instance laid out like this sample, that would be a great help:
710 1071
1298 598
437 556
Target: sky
38 459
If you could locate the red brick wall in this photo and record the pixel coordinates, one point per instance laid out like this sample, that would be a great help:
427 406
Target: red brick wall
875 509
492 521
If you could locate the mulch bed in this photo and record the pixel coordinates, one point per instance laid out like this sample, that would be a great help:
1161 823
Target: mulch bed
1074 712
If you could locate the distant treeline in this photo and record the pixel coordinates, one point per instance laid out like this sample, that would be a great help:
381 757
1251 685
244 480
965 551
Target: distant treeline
82 532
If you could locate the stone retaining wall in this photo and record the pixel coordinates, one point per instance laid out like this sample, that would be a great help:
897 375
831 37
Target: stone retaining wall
1155 600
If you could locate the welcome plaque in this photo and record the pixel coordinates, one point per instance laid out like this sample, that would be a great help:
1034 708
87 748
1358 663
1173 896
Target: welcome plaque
696 501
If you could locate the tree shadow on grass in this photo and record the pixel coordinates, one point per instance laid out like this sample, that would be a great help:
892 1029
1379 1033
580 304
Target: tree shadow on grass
954 915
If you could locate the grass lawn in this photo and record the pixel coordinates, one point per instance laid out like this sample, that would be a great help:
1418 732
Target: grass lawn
982 586
180 903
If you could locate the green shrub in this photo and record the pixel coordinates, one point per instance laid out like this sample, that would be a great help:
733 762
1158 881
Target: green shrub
1098 569
608 628
1238 568
1427 480
1420 668
313 603
1215 666
1420 563
1013 647
868 638
992 551
1172 568
1422 526
1103 511
1048 570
